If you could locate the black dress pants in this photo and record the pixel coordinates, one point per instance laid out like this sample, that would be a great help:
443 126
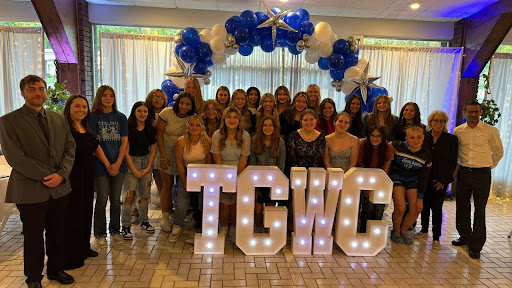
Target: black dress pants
476 182
37 218
433 200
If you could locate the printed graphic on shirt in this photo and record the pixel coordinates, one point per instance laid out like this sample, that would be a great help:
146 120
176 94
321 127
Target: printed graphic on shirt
408 161
108 131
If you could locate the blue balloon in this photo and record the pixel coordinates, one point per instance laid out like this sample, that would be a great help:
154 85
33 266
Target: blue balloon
248 19
263 32
340 46
293 19
245 50
357 53
188 54
267 45
323 63
261 17
276 10
201 66
254 38
336 62
337 74
350 60
307 28
241 35
293 50
371 94
232 24
169 88
281 34
204 51
303 13
178 48
282 43
190 37
209 62
293 37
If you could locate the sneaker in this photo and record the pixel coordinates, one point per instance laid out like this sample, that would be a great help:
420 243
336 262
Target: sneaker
421 235
116 238
436 245
407 237
126 233
395 237
100 241
165 225
147 227
175 234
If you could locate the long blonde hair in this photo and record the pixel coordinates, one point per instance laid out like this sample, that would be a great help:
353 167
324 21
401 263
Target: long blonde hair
388 122
245 113
223 130
260 113
318 100
259 138
199 101
205 118
203 137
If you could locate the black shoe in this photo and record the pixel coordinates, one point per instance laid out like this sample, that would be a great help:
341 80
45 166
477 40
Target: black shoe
474 254
92 254
34 285
62 277
460 242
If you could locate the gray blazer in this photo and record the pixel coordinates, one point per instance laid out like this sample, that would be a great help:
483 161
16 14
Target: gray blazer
32 158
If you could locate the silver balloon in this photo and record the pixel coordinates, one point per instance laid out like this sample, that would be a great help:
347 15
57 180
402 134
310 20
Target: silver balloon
177 40
235 46
307 44
227 45
338 89
333 83
353 47
208 73
207 81
300 45
305 37
339 84
231 39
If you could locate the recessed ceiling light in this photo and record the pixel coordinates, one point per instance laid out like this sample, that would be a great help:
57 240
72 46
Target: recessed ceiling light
284 1
415 5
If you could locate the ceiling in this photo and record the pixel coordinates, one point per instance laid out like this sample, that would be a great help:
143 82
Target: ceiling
430 10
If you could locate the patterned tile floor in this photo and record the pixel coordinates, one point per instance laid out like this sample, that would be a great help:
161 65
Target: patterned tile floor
151 261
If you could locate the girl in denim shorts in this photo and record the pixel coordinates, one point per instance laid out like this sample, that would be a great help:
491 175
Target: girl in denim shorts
139 158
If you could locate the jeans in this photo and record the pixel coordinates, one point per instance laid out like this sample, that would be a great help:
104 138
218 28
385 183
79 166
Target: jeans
107 187
140 186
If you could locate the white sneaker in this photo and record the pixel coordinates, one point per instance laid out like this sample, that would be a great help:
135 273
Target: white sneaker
436 245
165 225
175 234
100 242
116 238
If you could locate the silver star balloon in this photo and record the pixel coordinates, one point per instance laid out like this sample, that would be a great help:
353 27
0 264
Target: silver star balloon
185 71
275 21
363 83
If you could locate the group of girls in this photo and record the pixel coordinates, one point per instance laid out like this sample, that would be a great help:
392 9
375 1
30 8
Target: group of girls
245 128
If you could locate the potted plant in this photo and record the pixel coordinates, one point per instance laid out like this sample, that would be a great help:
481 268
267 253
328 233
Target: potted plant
57 97
490 110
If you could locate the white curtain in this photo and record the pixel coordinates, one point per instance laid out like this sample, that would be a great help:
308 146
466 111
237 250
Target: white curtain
501 91
21 54
134 65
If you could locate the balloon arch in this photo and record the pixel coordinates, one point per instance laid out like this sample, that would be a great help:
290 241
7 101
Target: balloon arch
196 51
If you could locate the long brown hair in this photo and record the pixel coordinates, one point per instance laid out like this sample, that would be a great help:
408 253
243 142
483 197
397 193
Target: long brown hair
322 122
285 90
239 137
388 122
151 94
203 137
368 147
223 88
417 115
205 118
259 138
290 115
314 86
149 129
97 107
67 113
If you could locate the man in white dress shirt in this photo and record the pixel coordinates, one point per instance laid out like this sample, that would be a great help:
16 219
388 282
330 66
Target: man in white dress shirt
480 150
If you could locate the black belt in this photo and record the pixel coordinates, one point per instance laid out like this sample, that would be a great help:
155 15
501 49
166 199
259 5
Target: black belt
474 168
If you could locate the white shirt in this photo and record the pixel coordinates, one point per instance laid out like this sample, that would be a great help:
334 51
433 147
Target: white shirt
480 146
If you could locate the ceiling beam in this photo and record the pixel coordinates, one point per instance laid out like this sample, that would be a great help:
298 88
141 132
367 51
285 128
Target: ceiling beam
54 29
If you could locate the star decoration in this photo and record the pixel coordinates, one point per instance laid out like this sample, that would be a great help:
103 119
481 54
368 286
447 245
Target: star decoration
275 21
363 83
185 71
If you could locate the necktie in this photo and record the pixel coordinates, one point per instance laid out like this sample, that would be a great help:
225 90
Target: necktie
42 124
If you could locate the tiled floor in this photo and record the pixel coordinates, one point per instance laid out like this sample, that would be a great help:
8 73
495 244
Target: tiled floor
151 261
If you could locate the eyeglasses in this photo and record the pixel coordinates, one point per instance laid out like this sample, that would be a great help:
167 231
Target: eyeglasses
33 90
473 112
158 97
438 121
376 136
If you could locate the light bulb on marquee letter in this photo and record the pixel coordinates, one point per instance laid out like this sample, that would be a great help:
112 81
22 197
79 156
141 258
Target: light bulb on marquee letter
375 239
274 217
214 177
314 208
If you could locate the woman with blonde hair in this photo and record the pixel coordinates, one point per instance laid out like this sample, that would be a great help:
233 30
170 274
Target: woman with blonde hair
314 98
283 98
267 107
240 100
211 115
290 119
191 148
192 86
381 116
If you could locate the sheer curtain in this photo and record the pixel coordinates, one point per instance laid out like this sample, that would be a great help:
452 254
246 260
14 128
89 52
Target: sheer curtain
21 53
134 65
501 89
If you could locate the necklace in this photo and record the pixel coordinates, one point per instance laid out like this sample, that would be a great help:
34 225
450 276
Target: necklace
310 137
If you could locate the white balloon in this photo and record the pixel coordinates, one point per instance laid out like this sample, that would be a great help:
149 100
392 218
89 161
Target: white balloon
312 57
218 58
323 31
206 35
347 86
218 30
325 49
230 51
314 44
217 44
353 73
361 64
334 37
179 81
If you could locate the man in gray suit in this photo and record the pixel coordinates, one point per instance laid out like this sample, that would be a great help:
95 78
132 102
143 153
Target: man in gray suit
37 143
